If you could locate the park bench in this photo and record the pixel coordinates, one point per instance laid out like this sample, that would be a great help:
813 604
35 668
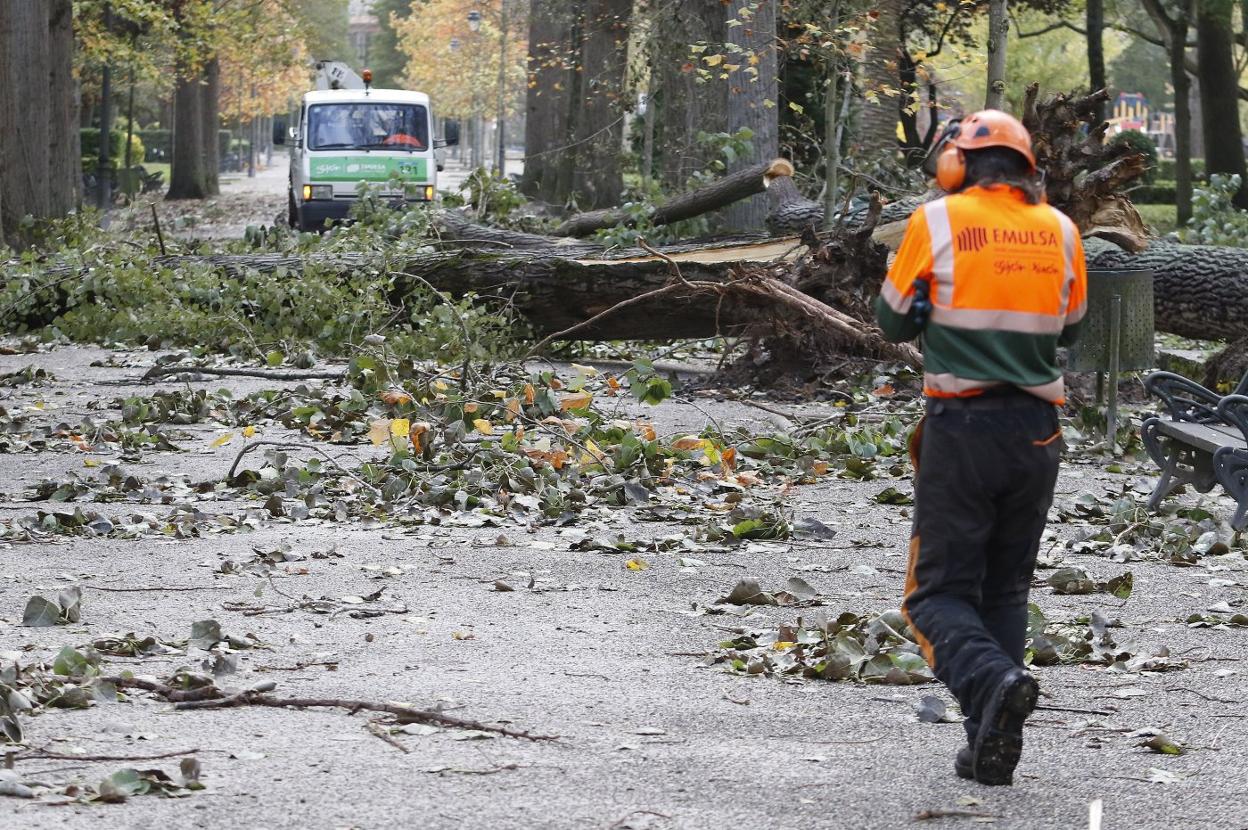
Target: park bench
1203 442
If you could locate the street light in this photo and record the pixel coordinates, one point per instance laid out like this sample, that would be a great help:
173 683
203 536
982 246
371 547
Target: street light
478 132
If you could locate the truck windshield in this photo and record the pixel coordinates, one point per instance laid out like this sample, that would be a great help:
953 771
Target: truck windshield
368 126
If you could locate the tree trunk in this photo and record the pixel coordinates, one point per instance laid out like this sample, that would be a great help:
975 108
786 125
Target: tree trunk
1219 92
598 117
187 179
1095 20
718 194
550 79
998 38
210 113
1182 83
881 111
752 96
64 148
689 106
25 114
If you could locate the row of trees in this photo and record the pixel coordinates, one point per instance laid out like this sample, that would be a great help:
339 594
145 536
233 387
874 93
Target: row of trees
63 62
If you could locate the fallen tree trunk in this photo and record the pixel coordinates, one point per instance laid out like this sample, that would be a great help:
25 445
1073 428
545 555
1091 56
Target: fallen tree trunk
719 193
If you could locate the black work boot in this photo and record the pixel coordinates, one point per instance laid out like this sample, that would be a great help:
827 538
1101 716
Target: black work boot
964 763
999 744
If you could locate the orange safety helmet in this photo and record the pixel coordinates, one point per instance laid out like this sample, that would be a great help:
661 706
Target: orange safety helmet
987 128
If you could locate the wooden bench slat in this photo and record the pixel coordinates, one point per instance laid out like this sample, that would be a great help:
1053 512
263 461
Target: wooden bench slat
1208 437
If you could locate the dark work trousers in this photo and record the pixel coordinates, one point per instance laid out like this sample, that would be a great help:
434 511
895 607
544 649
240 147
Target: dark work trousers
986 467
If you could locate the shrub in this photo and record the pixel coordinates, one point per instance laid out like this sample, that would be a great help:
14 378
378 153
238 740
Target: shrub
90 138
1140 143
158 144
1159 192
1215 219
1165 170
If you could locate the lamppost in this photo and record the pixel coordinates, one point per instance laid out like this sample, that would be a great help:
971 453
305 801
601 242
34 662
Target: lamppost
478 133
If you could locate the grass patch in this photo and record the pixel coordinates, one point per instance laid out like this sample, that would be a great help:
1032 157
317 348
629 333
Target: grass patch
1163 219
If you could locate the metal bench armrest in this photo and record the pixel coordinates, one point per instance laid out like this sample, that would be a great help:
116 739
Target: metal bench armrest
1233 410
1184 399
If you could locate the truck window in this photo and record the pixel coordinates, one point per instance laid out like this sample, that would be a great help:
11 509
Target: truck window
368 126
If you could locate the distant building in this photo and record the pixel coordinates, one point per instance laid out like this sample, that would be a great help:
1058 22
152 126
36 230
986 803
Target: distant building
363 27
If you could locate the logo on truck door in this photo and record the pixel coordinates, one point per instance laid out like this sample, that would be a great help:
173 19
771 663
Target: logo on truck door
365 168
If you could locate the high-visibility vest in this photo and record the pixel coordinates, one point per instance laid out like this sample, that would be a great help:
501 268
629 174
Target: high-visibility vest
1006 280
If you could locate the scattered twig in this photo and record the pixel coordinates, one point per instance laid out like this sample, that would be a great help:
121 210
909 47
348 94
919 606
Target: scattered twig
925 815
160 236
377 730
211 697
1078 711
331 665
43 755
469 771
159 588
157 372
624 821
296 446
1210 698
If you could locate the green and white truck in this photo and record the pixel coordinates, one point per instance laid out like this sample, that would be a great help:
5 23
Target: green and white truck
346 133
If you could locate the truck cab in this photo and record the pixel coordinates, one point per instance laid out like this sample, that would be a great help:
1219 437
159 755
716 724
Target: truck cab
345 136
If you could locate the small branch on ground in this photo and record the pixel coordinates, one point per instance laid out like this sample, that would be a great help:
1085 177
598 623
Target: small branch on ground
925 815
158 372
44 755
212 697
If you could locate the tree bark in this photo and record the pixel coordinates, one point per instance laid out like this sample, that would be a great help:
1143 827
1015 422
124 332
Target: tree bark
1182 83
752 99
64 149
1095 23
689 106
210 125
187 178
998 38
881 111
598 116
25 114
551 58
1219 89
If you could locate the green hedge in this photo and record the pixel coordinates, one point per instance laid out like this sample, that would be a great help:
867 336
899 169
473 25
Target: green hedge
1165 170
159 144
90 138
1160 192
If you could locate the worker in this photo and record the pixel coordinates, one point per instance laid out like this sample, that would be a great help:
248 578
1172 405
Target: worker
994 280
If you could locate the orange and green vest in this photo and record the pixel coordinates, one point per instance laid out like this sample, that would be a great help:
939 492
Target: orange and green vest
1007 284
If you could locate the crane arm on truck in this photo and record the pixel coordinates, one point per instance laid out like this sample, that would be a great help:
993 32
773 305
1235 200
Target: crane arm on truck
337 75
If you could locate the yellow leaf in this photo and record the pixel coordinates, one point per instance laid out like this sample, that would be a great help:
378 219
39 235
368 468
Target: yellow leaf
498 393
637 564
783 645
575 400
588 371
483 426
594 454
513 409
713 60
688 442
379 431
87 462
223 440
400 427
440 385
249 431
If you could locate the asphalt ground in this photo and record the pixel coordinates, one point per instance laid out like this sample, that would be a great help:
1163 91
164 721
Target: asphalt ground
604 657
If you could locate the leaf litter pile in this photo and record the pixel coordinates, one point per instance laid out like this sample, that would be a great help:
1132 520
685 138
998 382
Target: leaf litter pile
398 447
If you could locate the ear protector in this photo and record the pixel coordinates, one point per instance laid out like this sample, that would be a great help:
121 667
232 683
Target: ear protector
950 160
951 168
